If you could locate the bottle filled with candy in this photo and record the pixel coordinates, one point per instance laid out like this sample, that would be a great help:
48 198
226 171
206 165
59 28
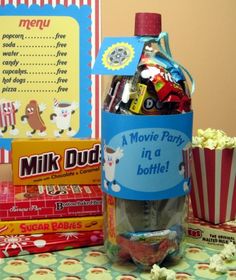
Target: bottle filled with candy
146 138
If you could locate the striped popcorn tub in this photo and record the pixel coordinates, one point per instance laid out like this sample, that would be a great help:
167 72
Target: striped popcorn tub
213 193
187 156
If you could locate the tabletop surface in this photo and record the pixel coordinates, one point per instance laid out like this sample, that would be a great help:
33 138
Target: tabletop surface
91 263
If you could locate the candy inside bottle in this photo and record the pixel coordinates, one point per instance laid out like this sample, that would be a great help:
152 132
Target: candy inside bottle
158 87
146 231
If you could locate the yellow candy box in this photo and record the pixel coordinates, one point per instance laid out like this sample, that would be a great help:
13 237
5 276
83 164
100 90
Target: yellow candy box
56 161
51 225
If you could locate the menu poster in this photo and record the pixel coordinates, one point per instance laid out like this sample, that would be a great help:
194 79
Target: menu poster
45 72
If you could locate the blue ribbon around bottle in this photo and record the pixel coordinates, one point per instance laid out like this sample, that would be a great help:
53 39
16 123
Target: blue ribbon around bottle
121 55
163 38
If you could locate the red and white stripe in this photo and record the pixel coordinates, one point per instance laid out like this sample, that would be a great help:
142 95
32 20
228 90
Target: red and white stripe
96 79
7 114
95 40
5 156
213 193
186 153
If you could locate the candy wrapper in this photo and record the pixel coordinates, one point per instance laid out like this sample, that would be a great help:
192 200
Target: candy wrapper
213 192
42 244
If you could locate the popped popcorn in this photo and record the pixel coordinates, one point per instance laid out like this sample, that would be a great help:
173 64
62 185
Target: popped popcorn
217 264
163 273
170 275
213 139
217 260
228 252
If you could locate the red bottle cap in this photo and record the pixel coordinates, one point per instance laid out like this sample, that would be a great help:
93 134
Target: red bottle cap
147 24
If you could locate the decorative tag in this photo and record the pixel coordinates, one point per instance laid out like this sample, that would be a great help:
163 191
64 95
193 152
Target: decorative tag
146 157
118 56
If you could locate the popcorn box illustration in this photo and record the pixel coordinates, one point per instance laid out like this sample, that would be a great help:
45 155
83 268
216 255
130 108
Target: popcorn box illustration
50 201
213 193
43 244
56 161
8 111
51 225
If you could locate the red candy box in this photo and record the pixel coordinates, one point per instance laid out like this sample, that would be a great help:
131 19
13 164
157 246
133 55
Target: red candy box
14 245
52 201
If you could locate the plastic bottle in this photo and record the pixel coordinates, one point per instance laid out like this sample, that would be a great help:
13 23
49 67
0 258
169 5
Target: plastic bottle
146 231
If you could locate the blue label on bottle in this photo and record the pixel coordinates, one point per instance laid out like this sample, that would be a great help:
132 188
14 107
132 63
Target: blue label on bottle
146 157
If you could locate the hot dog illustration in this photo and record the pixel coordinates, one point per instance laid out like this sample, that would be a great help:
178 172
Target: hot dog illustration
8 110
62 117
32 115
